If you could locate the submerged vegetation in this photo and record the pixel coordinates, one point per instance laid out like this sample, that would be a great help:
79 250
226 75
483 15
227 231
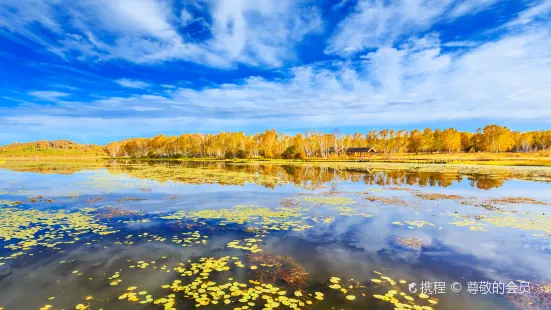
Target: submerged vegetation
280 268
411 242
539 297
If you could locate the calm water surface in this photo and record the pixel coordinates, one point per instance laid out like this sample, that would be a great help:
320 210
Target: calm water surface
84 237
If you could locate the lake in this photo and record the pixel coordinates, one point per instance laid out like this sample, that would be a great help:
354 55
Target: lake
178 235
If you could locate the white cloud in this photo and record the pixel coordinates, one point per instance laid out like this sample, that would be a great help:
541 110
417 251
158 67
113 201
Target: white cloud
417 82
530 15
376 23
132 83
21 16
65 86
467 7
48 95
187 18
460 44
146 31
412 84
260 31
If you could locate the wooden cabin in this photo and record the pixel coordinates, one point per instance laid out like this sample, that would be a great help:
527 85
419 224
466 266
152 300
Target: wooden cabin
361 151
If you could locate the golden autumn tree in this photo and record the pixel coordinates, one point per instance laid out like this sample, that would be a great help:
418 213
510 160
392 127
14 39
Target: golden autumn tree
451 140
268 140
271 144
494 138
466 141
427 140
415 141
113 149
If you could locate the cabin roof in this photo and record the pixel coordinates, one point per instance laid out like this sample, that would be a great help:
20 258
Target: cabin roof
360 149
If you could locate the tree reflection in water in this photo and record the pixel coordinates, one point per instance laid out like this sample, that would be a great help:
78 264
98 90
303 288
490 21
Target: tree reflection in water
308 175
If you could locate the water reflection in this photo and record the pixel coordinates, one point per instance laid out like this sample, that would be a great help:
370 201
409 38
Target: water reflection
306 175
342 228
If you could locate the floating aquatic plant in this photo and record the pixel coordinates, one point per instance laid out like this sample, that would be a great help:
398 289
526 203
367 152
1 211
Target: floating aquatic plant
205 291
333 200
269 219
24 229
418 223
398 295
348 211
526 222
250 245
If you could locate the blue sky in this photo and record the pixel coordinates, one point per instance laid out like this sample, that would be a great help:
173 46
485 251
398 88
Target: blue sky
100 70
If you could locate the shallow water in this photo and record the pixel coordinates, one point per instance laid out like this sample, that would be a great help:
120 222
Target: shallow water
69 235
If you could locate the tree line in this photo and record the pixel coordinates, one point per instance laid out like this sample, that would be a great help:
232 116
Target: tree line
271 144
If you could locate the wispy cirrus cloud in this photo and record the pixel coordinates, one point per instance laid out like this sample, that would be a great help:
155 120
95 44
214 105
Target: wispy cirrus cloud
538 12
149 31
48 94
132 83
468 7
64 86
376 23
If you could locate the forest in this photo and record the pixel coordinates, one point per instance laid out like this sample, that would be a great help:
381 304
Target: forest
271 144
314 144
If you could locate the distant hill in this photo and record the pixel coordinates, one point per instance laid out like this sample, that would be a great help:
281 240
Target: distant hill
51 148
